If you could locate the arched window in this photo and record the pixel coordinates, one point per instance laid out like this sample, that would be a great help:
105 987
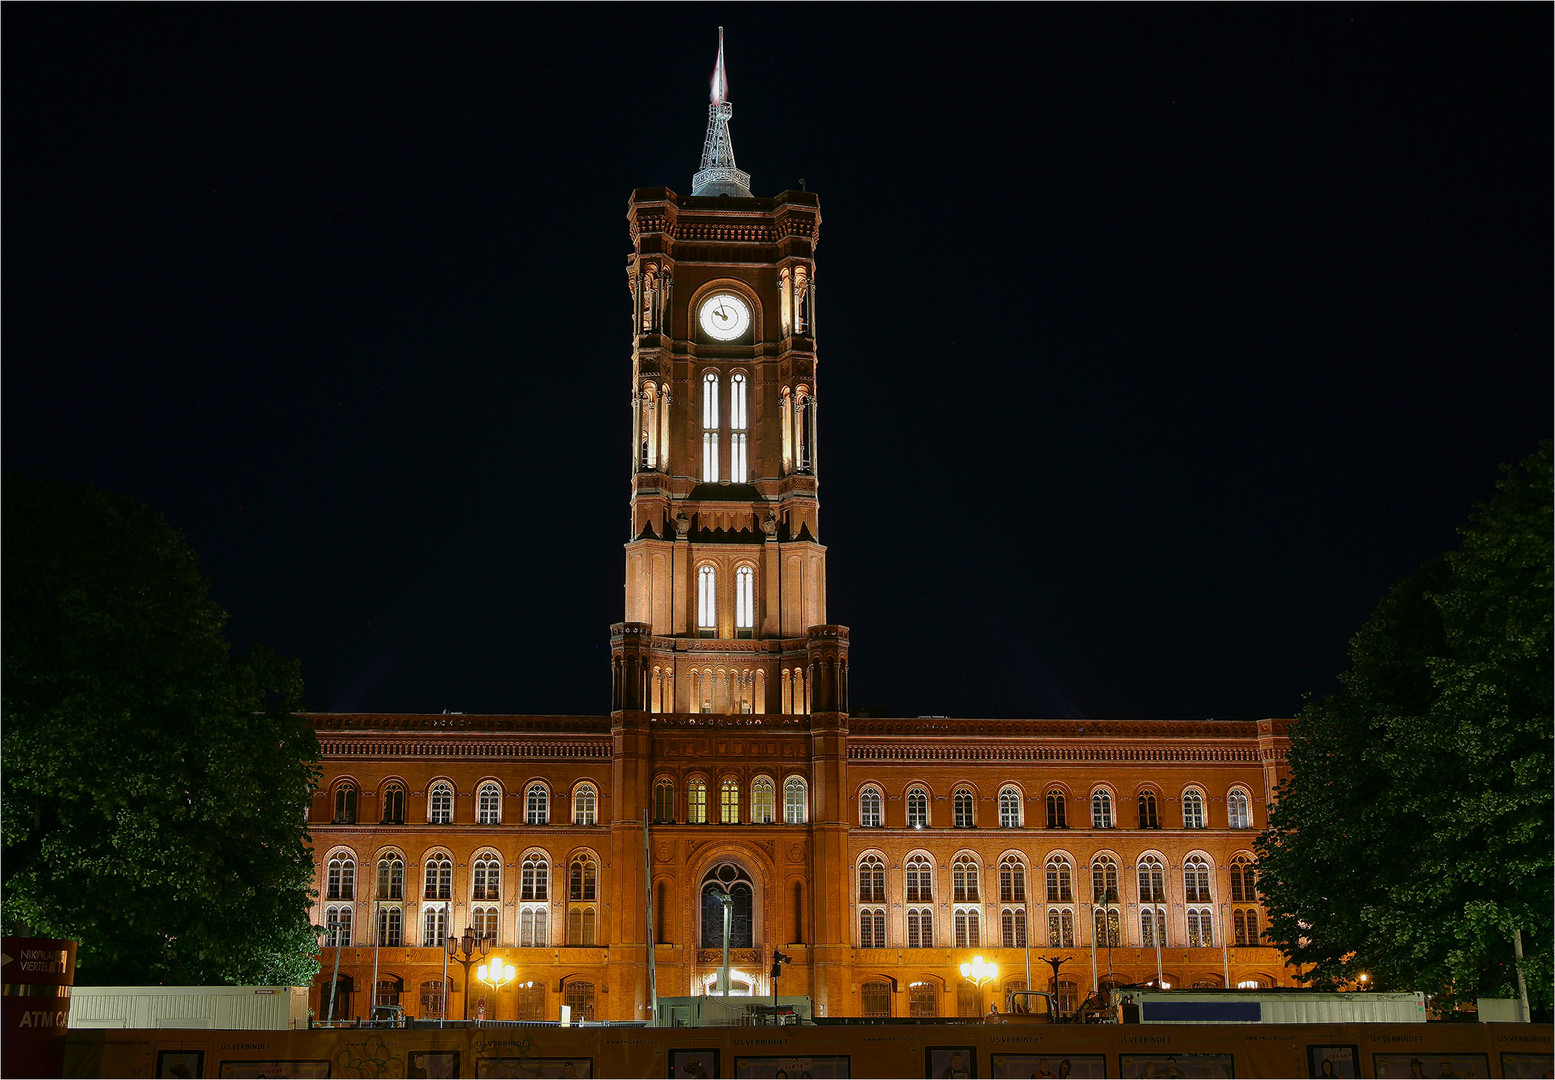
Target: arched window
1107 926
391 877
871 926
1152 880
696 801
434 926
1195 881
584 805
341 877
1059 882
440 804
963 876
732 880
707 601
439 878
876 999
871 880
389 991
1152 927
920 880
1201 928
962 801
1055 810
664 800
1192 809
488 804
391 926
1060 928
483 920
534 912
922 999
737 428
1239 810
917 809
920 928
744 602
1101 809
486 878
337 921
1012 880
729 801
1009 808
1104 880
534 926
345 804
537 805
1012 928
582 897
763 805
579 997
1244 922
968 923
534 878
796 801
434 999
869 808
1244 887
710 428
1148 819
393 805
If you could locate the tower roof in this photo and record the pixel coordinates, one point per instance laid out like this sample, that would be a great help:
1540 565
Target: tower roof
718 174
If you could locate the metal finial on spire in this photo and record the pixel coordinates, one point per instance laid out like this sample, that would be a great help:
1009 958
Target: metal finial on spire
718 174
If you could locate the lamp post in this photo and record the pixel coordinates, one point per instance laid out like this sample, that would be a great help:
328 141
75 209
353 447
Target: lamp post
495 975
977 972
724 897
463 951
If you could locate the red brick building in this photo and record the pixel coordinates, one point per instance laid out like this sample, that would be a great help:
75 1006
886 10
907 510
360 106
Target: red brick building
877 853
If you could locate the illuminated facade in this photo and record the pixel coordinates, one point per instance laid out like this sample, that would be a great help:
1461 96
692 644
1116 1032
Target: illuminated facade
878 853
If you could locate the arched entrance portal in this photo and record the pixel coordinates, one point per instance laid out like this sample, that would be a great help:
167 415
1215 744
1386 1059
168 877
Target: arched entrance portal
729 878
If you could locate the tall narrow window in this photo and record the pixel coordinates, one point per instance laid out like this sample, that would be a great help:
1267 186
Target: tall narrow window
534 926
962 802
1195 880
707 601
1107 927
696 802
1192 809
871 880
737 429
763 802
439 878
1012 926
869 809
1152 881
440 804
802 431
968 925
1055 810
1012 881
796 801
1148 819
1101 809
1009 808
534 888
391 926
342 878
917 809
920 928
1244 888
729 801
585 805
434 926
486 878
391 877
1060 928
337 920
534 881
1059 882
1201 932
872 928
963 876
489 804
1104 881
483 920
744 602
582 894
345 804
537 805
664 800
731 880
1152 927
710 428
393 805
1238 810
920 880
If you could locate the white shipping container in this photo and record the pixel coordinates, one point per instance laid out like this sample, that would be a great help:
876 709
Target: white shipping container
246 1008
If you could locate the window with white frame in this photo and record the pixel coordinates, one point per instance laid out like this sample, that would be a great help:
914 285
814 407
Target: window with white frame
1101 809
869 808
871 928
537 805
920 880
337 921
438 880
963 877
1012 928
917 809
1152 880
763 801
968 927
965 816
1152 926
920 928
1201 928
1239 810
710 428
729 801
796 801
483 920
341 877
1012 880
486 877
737 428
582 895
1192 809
1195 880
1107 927
1244 922
533 894
534 926
534 878
1060 881
871 880
434 926
1244 887
1104 880
696 801
1009 808
1060 928
585 805
744 602
440 804
391 926
922 999
488 800
707 600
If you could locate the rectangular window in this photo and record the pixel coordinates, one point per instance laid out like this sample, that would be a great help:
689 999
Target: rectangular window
434 928
696 803
737 457
729 803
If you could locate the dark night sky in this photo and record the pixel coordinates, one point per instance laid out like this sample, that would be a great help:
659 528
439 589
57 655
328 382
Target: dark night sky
1155 342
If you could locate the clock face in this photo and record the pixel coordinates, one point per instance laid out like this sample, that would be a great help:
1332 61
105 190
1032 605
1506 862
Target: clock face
724 316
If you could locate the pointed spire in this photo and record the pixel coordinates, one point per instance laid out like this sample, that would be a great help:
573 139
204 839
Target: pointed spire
718 174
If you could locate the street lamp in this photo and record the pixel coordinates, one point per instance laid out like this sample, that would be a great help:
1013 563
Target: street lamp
726 898
977 973
468 945
495 975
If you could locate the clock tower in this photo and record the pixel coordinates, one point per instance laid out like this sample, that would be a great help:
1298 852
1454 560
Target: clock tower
725 569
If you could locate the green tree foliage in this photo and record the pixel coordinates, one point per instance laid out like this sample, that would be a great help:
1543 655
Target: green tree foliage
155 786
1414 833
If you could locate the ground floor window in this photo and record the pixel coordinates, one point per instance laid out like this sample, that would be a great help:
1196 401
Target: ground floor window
923 999
876 999
579 997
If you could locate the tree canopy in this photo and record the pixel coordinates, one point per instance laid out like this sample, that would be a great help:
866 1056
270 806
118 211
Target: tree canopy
156 786
1413 836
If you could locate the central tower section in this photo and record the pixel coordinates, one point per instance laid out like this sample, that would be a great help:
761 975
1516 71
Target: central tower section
725 570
